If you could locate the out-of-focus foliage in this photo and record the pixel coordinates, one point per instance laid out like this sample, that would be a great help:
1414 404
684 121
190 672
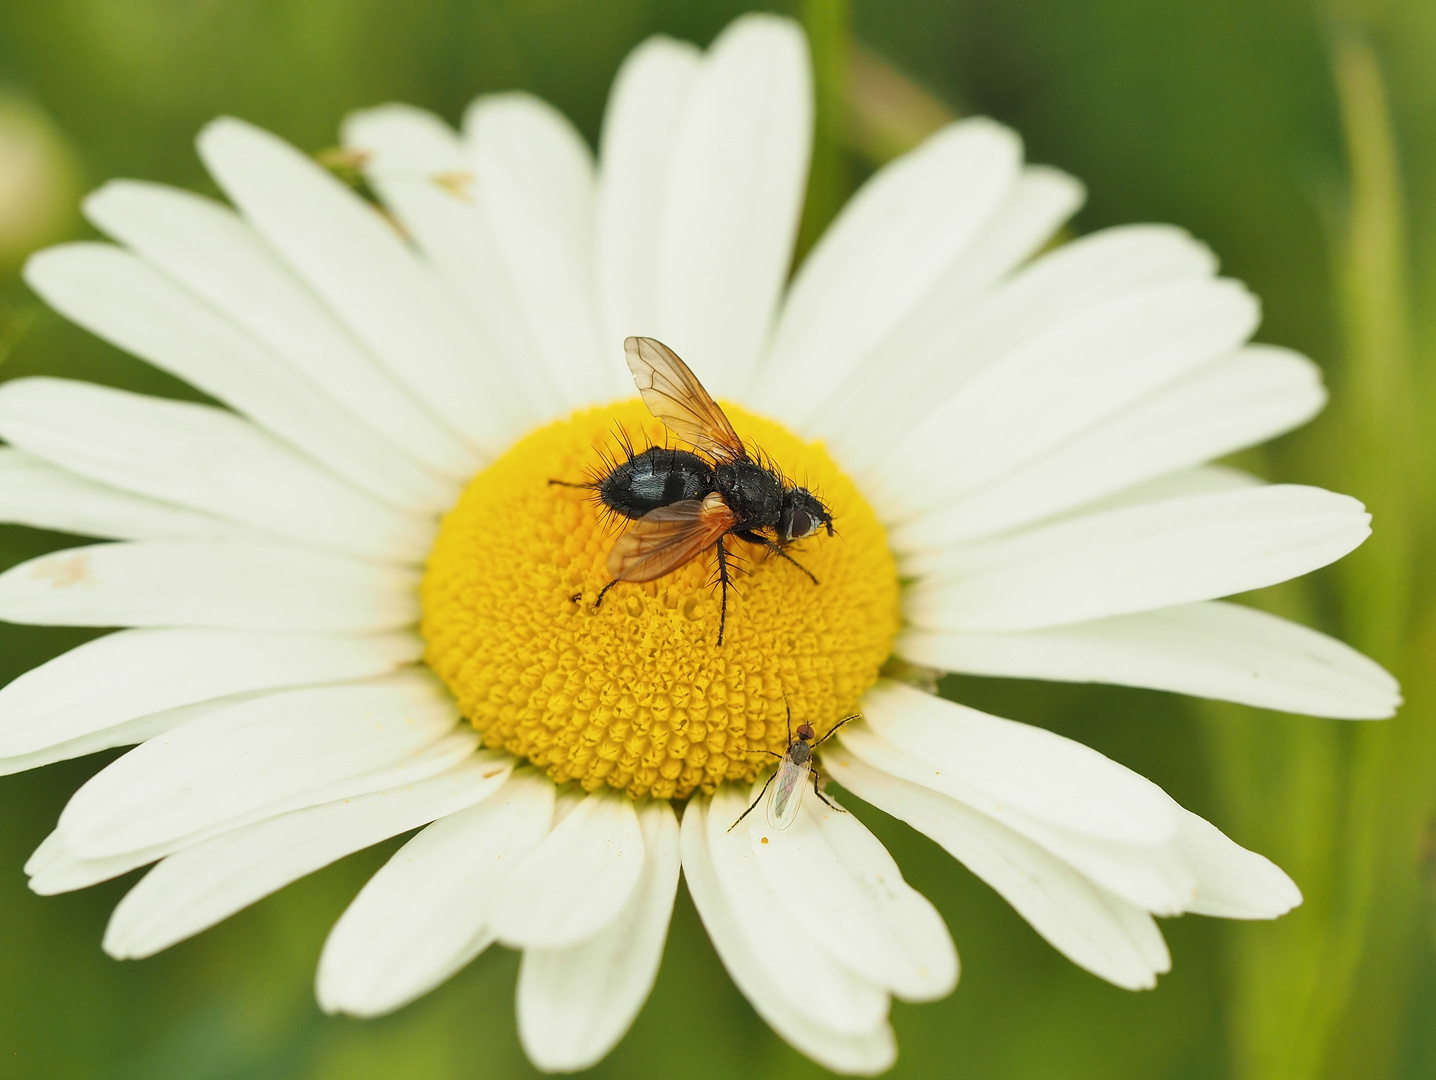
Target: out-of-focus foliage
1298 139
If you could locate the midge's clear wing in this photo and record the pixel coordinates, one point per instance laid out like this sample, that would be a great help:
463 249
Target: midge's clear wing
786 794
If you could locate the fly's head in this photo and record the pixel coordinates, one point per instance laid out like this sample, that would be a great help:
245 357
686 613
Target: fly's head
803 515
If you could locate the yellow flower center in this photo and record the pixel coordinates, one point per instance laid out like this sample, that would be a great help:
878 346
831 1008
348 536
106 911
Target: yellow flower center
637 694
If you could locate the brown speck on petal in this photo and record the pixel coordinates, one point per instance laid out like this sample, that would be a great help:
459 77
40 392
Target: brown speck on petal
64 572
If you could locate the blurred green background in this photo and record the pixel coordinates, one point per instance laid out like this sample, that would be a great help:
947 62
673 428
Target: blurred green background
1298 139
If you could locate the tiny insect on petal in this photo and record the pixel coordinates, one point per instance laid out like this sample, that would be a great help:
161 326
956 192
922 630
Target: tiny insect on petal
787 794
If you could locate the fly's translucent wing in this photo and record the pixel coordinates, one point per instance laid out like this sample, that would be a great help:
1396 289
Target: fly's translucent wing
664 539
673 394
787 792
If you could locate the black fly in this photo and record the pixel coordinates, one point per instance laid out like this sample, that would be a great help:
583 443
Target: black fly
794 767
684 502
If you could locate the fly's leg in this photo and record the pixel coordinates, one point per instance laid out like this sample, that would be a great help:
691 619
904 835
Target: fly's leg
776 549
570 483
820 795
723 582
601 594
754 803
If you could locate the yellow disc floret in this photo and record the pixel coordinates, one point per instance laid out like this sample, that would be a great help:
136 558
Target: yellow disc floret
637 694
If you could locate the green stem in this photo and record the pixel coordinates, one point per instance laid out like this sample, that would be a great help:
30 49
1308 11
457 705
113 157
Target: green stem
1393 764
830 179
1376 388
1337 804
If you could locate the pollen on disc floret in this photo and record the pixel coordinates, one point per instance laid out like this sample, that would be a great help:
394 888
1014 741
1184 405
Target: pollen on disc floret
638 695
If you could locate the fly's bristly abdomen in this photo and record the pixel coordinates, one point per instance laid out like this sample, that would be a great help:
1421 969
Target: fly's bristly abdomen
658 476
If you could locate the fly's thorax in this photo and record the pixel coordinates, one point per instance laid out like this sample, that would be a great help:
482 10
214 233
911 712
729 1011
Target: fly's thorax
800 752
753 493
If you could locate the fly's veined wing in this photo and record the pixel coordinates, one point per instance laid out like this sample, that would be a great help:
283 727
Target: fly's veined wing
674 395
787 792
666 538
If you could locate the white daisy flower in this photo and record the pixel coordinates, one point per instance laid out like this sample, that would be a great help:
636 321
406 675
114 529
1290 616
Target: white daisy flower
349 595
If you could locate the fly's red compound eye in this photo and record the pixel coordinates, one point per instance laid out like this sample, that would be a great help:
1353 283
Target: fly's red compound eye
805 732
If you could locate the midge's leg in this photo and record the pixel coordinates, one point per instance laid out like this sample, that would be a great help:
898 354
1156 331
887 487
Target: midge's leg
776 549
819 794
840 723
754 803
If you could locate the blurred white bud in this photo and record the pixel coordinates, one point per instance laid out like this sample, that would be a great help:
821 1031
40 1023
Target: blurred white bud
38 179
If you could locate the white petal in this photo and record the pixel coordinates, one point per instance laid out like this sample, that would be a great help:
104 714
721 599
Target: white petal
229 763
36 493
1232 882
1035 208
1111 824
946 346
864 403
889 247
832 994
1102 933
1058 384
1216 650
203 885
1004 768
840 884
209 583
364 272
206 247
645 108
779 1000
127 733
205 459
575 1004
577 881
733 196
1203 480
51 853
417 164
534 188
118 296
56 867
136 672
1254 395
1149 873
423 916
1157 878
1139 558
